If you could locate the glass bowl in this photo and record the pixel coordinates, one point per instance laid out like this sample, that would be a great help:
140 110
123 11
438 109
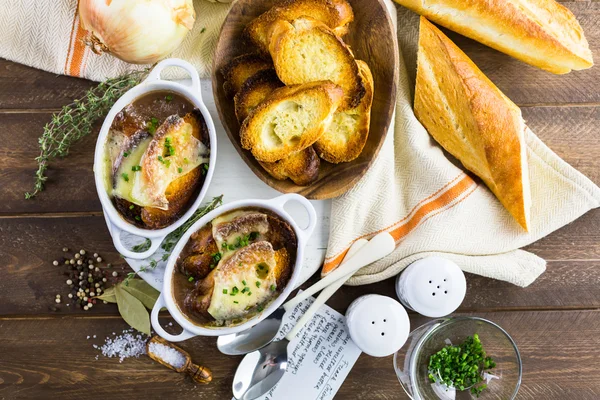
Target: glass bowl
411 362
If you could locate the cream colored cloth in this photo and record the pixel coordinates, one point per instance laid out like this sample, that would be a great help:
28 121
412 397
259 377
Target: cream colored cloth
412 190
432 207
45 34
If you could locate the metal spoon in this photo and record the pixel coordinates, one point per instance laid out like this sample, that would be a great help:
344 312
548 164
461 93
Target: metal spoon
264 332
260 370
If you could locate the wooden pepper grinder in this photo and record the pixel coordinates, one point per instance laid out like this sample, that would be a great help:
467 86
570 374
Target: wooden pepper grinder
162 352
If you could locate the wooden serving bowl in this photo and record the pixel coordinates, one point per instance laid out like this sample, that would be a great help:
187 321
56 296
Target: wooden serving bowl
372 39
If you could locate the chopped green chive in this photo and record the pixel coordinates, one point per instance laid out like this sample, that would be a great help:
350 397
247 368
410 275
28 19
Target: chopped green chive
461 366
234 290
169 98
202 30
169 149
125 154
260 308
179 169
249 293
273 287
204 169
136 168
152 125
257 284
244 290
191 279
131 207
137 218
244 283
125 177
224 291
236 302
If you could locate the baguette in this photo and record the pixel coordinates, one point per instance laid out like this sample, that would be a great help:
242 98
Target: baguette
542 33
472 119
289 120
241 68
347 134
307 51
336 14
301 167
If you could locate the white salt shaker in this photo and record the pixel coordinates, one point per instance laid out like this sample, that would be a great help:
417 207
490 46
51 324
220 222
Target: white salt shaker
378 325
432 286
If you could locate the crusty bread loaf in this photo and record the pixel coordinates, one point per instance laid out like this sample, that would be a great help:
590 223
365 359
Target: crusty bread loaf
301 167
336 14
347 134
241 68
472 119
290 120
254 91
542 33
306 50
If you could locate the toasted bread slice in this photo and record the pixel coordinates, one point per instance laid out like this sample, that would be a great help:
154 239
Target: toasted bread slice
472 119
290 120
180 192
347 134
254 91
241 68
336 14
307 51
301 167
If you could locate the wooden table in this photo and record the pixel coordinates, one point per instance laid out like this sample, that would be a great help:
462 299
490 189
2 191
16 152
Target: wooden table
44 352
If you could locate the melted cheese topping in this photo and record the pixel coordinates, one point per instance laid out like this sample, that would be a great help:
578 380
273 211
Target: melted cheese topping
145 174
244 281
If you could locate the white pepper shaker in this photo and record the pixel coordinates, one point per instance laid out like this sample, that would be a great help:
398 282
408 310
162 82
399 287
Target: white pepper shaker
378 325
432 286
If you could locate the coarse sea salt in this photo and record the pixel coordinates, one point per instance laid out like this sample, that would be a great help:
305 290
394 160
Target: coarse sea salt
168 354
125 345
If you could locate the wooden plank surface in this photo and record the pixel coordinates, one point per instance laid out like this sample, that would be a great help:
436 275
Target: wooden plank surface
560 350
44 352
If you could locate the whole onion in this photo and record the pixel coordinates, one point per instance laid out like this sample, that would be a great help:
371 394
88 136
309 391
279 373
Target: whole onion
136 31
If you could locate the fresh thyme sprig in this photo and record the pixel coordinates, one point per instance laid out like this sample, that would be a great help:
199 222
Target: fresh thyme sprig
171 240
76 120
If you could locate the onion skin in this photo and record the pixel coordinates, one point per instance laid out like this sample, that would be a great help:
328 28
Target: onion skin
136 31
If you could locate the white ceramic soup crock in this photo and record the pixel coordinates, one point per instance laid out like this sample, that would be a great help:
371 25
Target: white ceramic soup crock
166 298
116 223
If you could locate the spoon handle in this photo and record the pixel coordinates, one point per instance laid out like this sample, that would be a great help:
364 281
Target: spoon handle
300 297
326 293
380 246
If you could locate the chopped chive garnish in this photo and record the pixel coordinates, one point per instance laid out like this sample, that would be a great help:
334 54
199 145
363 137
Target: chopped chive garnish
131 207
179 169
125 177
461 366
204 169
169 149
224 291
244 283
273 287
236 302
137 218
136 168
152 125
169 98
257 284
260 308
125 154
191 279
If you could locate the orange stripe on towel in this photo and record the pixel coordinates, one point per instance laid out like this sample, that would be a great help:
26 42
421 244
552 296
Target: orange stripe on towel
77 48
398 232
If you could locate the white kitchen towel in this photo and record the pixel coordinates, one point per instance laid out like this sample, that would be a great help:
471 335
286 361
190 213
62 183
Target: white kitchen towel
46 34
431 206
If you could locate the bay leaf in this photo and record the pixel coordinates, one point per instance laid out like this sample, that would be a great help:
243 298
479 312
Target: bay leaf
108 295
132 310
142 291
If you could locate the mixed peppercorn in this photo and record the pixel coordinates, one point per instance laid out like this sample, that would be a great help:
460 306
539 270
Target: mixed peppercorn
86 276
